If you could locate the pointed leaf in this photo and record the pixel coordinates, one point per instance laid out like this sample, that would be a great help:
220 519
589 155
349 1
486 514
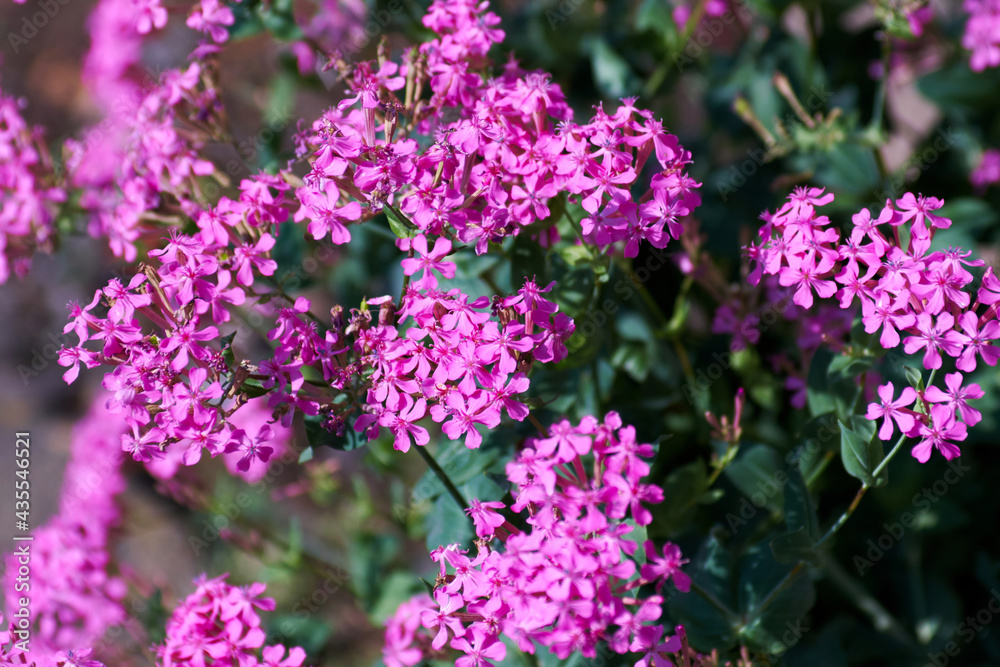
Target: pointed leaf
860 451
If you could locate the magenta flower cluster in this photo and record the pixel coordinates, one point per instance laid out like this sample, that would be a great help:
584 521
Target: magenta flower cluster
219 624
987 172
455 362
496 162
177 387
128 172
982 33
29 198
73 597
903 288
571 578
490 172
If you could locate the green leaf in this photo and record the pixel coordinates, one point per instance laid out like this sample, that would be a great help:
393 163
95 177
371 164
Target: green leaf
771 602
638 535
758 474
861 451
253 388
278 20
460 464
227 350
306 455
447 524
370 556
289 251
914 377
153 615
293 557
970 218
612 74
655 16
575 255
246 22
850 168
800 512
311 631
633 358
793 546
829 393
527 260
557 209
685 486
958 87
708 624
819 436
397 588
398 224
848 367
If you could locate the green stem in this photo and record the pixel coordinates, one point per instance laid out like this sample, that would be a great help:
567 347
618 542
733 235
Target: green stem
864 487
647 298
663 324
443 476
770 596
882 619
692 23
727 458
798 566
714 601
892 453
314 562
880 616
845 516
883 84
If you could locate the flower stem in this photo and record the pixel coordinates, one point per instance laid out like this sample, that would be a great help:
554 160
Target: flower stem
774 593
880 616
845 516
443 476
714 601
892 453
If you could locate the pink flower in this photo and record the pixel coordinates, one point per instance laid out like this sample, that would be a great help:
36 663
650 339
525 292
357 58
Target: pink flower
442 618
977 341
483 648
465 415
76 659
246 258
981 34
668 566
936 434
919 210
485 516
893 410
805 274
933 337
883 311
402 423
212 18
429 260
273 656
326 218
957 396
648 641
253 449
989 291
148 15
988 171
